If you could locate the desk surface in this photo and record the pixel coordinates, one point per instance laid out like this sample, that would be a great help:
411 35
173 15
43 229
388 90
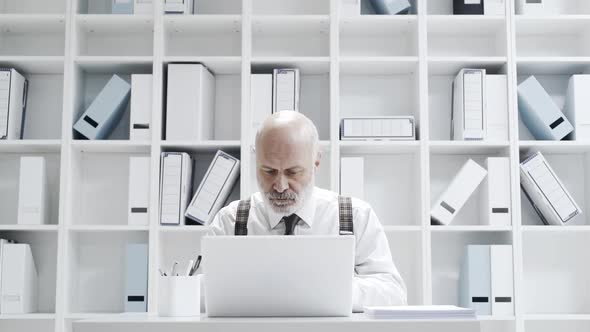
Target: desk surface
357 322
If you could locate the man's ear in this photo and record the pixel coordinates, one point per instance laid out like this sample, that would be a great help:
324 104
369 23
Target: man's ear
317 160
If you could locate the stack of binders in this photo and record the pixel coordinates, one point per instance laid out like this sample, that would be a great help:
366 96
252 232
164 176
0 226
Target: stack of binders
547 194
13 102
480 106
18 283
214 189
485 280
495 199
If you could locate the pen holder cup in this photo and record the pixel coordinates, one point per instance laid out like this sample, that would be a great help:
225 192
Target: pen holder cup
179 296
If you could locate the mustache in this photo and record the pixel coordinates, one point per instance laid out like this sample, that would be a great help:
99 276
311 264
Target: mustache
284 195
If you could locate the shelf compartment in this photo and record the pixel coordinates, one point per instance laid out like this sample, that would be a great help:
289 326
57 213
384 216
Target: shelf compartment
114 35
38 35
9 177
381 35
443 169
447 252
26 323
227 109
406 251
380 95
467 35
284 35
96 274
47 7
89 79
379 147
193 35
96 202
554 257
395 198
44 249
572 170
558 36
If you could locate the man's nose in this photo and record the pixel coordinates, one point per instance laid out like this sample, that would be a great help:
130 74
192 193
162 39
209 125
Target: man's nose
281 184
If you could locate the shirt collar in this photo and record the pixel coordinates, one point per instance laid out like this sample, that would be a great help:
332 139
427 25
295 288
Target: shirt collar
305 212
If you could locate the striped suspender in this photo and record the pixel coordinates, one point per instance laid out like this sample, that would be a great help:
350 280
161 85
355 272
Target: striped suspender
344 210
241 227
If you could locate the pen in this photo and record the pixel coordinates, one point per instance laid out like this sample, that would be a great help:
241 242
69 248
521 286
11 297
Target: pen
195 265
173 269
189 268
163 274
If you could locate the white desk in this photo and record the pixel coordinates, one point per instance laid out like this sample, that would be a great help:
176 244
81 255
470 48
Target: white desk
356 323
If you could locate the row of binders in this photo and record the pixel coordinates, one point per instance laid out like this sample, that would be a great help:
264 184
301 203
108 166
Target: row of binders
486 280
495 199
13 103
106 110
207 200
18 278
545 120
480 106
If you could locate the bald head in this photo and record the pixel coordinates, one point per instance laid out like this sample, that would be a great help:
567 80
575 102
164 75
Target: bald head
287 155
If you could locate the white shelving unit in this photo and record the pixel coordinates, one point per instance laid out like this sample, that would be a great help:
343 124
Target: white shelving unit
365 65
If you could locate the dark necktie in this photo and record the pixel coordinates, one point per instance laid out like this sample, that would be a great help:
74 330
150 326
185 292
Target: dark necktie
290 222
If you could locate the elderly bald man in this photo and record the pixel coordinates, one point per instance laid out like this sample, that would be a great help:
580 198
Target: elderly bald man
287 158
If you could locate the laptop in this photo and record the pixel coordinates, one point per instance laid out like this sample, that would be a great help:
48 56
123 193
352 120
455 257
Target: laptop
269 276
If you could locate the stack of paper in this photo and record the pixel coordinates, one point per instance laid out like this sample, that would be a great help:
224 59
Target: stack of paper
419 312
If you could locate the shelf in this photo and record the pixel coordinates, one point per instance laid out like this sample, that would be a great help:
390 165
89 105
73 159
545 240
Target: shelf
97 22
467 147
199 146
306 65
289 8
397 228
379 147
378 65
552 65
555 147
34 64
379 35
107 228
551 229
557 317
184 229
28 35
28 146
450 65
29 228
469 228
118 64
33 316
119 146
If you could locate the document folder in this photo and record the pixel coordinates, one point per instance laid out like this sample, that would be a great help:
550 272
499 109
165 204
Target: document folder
496 110
539 113
139 190
260 100
140 116
378 128
530 7
468 121
32 192
101 117
457 193
175 186
468 7
178 7
495 199
190 102
122 7
549 197
18 293
577 106
475 279
286 87
136 278
214 189
502 283
13 103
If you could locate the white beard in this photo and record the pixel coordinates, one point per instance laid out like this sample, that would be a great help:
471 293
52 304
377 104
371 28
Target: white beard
300 199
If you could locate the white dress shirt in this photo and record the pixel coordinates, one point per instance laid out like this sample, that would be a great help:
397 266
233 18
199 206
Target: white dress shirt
376 280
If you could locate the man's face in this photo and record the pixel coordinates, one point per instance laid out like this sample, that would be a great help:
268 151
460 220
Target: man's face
285 172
